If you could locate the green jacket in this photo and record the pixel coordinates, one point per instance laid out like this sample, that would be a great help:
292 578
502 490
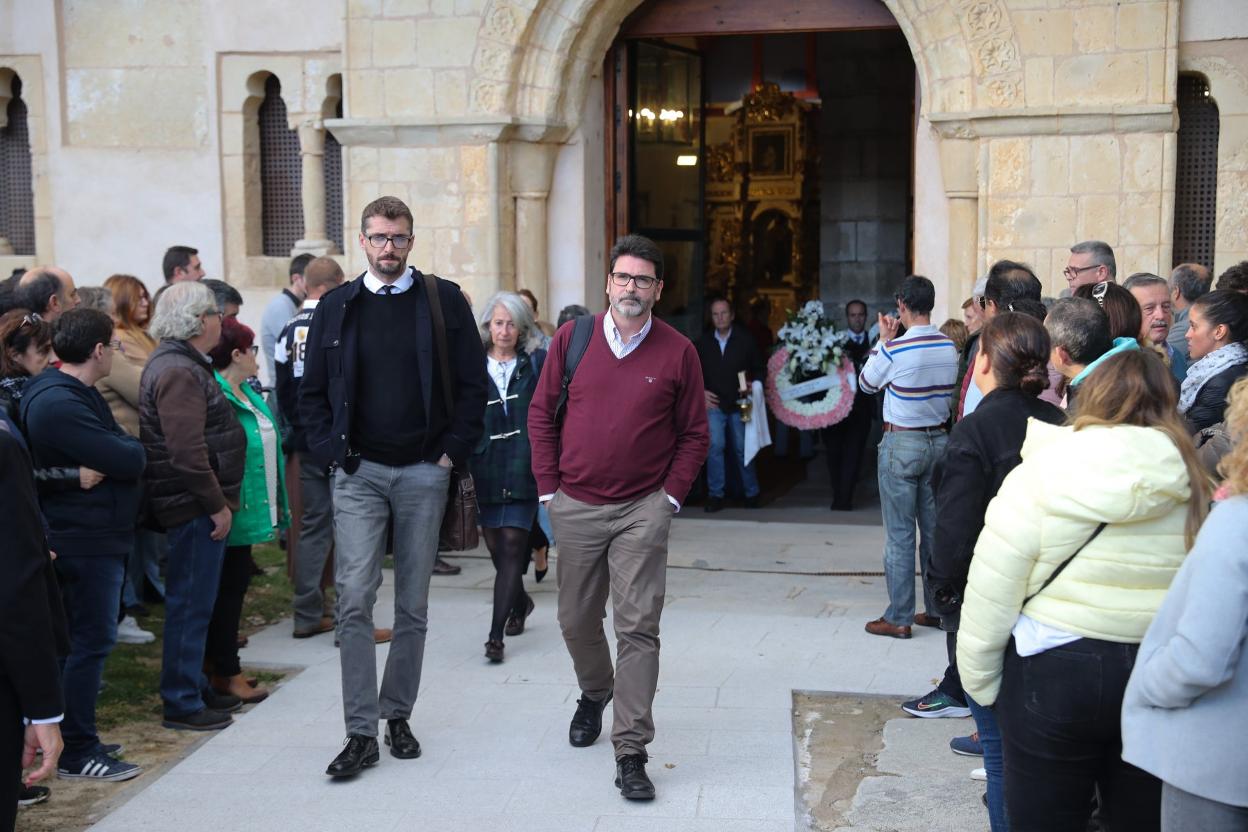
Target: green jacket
501 464
252 521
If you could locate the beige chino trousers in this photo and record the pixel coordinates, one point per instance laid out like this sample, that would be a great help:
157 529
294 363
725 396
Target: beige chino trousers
621 547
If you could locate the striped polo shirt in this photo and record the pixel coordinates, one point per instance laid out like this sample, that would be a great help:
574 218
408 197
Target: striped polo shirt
918 373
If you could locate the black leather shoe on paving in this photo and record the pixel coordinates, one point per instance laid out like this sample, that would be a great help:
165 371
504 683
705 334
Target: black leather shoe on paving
359 753
515 623
713 504
205 720
631 779
226 703
587 721
494 651
441 567
399 737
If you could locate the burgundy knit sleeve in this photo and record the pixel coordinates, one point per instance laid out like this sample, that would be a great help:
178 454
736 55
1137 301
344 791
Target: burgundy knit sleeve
543 432
693 438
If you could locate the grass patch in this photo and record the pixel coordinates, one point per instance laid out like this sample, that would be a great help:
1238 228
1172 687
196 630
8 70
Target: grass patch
132 673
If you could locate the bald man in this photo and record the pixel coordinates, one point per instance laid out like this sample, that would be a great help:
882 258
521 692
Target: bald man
48 291
1188 281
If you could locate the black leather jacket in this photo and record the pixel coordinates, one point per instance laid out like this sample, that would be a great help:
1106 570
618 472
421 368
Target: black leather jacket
1210 405
47 480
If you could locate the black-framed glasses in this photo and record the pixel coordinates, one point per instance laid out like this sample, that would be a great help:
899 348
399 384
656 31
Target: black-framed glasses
641 281
1074 271
220 315
400 241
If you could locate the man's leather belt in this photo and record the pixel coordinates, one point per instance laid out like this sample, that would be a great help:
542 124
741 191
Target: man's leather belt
889 427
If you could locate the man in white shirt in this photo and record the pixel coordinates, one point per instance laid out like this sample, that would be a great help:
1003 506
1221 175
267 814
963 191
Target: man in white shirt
847 439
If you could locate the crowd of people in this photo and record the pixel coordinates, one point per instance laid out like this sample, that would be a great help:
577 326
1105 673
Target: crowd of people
1052 463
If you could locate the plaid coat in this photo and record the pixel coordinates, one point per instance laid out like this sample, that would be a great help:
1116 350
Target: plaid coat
500 464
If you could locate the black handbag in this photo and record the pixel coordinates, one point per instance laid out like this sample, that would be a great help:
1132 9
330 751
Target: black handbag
460 522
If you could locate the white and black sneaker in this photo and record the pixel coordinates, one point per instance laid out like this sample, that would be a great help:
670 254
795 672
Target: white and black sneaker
30 795
98 767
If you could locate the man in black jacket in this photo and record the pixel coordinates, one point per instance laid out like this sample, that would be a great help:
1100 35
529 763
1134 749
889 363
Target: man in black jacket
69 424
372 404
726 351
846 441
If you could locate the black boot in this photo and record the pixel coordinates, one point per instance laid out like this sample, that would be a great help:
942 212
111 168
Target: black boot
631 779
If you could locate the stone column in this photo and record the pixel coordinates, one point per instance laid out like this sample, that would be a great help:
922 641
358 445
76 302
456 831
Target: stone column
958 163
531 170
312 151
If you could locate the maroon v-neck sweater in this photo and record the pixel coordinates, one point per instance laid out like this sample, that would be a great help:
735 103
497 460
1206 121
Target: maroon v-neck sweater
632 425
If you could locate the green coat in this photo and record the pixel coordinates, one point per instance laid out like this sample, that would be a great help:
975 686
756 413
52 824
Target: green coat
252 521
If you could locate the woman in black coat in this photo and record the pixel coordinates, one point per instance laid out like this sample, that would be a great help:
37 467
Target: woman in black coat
1011 369
1215 345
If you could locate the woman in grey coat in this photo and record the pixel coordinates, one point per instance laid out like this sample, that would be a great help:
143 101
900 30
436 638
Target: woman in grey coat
1183 715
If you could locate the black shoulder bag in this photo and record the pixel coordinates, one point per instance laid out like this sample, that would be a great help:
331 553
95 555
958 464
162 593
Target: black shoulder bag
582 330
1063 565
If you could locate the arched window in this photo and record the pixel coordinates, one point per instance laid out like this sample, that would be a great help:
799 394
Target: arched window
17 192
333 184
1196 183
281 199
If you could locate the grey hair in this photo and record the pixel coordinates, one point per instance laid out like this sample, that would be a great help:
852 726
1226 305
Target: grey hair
1189 282
529 337
180 310
99 298
1102 255
1081 327
1144 279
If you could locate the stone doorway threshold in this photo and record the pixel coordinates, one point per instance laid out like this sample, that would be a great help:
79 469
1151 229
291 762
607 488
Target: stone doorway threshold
864 766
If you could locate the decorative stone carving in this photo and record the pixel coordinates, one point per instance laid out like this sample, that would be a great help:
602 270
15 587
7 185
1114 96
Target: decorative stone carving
501 23
488 96
493 60
997 55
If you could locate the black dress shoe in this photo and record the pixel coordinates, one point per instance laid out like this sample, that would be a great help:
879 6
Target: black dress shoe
399 737
494 651
713 504
359 753
226 703
751 502
441 567
515 623
587 721
631 779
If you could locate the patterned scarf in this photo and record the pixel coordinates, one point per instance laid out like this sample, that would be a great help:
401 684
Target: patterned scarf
1208 367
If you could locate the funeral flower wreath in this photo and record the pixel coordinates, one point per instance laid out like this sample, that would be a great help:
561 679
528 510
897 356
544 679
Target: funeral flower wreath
810 380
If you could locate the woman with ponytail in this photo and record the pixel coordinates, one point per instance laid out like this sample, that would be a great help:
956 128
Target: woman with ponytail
1076 554
1011 370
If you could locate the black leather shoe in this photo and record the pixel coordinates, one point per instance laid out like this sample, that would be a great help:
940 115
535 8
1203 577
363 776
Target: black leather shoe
713 504
515 623
399 737
587 721
631 779
494 651
226 703
441 567
360 753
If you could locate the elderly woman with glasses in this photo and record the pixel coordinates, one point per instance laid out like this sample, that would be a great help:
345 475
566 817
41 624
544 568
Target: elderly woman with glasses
196 450
506 489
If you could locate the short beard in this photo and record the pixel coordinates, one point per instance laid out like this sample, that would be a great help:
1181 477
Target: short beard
630 313
388 270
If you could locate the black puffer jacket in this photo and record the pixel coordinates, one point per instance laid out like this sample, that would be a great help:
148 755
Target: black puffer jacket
47 480
1209 408
195 445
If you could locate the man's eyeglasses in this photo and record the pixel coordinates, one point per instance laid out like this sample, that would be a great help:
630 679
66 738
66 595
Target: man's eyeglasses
400 241
1074 271
220 315
641 281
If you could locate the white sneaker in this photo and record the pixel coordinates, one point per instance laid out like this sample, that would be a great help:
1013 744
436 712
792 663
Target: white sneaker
979 774
129 632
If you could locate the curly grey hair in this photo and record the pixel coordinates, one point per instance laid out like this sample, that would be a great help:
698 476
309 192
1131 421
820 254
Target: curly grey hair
528 337
180 310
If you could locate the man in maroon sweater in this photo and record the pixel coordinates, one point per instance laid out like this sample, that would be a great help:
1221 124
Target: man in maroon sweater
613 468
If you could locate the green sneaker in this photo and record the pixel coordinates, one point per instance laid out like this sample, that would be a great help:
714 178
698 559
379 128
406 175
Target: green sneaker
935 704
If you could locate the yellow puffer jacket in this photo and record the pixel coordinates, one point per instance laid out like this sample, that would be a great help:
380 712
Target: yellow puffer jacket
1068 483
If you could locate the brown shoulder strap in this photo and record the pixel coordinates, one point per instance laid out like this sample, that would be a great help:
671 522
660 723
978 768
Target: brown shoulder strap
439 335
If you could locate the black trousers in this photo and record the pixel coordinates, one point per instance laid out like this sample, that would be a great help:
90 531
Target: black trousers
951 684
221 651
1060 716
12 736
846 443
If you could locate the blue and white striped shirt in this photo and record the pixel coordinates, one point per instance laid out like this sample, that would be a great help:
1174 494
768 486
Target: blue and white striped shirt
919 374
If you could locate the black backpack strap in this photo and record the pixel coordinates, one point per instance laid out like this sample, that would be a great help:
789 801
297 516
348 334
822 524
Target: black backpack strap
583 328
439 338
1063 565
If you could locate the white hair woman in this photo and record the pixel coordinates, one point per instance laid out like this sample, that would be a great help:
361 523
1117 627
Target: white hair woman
506 490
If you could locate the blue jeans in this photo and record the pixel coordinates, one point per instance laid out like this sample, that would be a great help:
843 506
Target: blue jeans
906 460
990 739
718 421
143 562
91 590
191 582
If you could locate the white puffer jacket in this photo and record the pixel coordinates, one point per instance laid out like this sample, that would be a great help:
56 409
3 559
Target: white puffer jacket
1068 483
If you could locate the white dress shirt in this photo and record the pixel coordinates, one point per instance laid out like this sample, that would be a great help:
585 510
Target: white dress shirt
374 284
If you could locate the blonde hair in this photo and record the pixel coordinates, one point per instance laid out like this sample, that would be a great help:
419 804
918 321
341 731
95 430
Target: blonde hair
1234 466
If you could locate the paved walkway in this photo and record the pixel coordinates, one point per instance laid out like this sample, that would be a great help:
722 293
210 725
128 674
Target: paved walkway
749 618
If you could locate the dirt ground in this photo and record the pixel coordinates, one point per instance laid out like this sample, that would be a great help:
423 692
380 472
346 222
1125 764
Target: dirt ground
839 737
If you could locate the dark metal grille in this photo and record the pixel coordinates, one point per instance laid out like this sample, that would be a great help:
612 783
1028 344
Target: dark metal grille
333 186
17 191
281 175
1196 184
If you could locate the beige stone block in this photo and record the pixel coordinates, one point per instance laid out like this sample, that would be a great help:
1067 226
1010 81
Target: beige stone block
442 8
1233 142
1094 29
446 43
1140 219
1047 32
953 95
1050 165
36 132
166 109
474 168
446 256
1142 26
466 8
405 8
1132 259
1038 82
1101 79
365 94
1232 224
1142 162
476 207
1008 166
409 92
1098 218
450 90
394 44
360 192
422 248
363 163
45 247
949 58
138 33
359 43
1095 165
363 8
1034 222
940 24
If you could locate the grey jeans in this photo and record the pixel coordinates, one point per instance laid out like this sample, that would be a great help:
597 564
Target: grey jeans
316 538
415 496
1185 812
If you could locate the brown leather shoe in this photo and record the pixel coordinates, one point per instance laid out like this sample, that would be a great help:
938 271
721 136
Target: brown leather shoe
925 620
880 627
441 567
325 625
238 686
381 635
